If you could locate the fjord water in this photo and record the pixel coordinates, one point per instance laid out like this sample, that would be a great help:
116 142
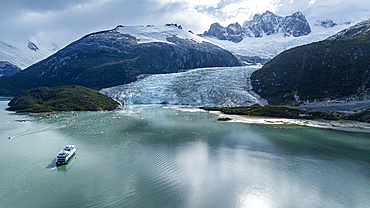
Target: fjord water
151 156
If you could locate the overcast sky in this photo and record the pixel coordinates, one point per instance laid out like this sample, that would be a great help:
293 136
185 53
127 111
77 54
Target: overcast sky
67 20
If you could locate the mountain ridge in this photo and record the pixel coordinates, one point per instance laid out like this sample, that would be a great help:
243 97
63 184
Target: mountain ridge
7 68
353 31
25 53
114 57
329 69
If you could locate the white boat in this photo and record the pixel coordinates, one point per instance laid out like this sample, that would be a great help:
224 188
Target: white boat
65 155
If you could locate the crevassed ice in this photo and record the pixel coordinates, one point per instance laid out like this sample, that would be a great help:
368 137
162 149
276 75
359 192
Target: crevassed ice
226 86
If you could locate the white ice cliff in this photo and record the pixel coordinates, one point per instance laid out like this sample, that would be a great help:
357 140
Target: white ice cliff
227 86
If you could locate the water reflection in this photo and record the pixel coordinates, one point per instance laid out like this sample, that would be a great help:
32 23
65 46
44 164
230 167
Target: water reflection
148 156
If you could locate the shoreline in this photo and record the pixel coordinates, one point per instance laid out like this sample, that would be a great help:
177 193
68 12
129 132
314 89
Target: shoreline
342 125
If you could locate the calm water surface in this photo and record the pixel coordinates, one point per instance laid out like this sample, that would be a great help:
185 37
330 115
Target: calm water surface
150 156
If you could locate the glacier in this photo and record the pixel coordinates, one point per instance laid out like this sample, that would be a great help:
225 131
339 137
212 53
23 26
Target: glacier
219 86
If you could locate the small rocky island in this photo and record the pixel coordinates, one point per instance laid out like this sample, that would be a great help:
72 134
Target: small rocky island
62 98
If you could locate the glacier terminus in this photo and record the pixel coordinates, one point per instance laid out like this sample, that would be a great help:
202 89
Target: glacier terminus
219 86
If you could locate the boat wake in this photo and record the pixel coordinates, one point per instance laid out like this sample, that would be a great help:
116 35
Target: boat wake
29 132
51 165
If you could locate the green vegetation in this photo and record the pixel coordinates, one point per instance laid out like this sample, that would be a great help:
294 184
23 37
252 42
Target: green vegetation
65 98
363 116
332 69
290 113
277 112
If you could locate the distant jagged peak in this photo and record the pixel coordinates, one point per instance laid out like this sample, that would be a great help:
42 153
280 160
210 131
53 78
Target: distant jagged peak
295 25
265 17
267 13
267 23
298 14
353 31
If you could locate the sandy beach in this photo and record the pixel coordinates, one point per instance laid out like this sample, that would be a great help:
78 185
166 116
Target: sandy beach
343 125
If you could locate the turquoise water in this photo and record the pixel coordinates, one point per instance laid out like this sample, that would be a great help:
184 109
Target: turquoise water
150 156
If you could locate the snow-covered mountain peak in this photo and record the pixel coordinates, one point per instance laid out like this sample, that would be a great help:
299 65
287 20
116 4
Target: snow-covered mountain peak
266 17
151 33
27 52
267 23
323 21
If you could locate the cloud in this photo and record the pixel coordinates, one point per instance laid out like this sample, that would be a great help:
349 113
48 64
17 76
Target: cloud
68 20
63 21
75 17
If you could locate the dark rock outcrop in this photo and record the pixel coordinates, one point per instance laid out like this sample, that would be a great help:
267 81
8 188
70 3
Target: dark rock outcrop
217 31
32 46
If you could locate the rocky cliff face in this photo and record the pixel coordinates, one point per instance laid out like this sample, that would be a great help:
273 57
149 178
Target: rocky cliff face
268 23
7 68
118 56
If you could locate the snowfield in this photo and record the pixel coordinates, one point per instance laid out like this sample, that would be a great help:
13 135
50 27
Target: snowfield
151 33
269 46
22 56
